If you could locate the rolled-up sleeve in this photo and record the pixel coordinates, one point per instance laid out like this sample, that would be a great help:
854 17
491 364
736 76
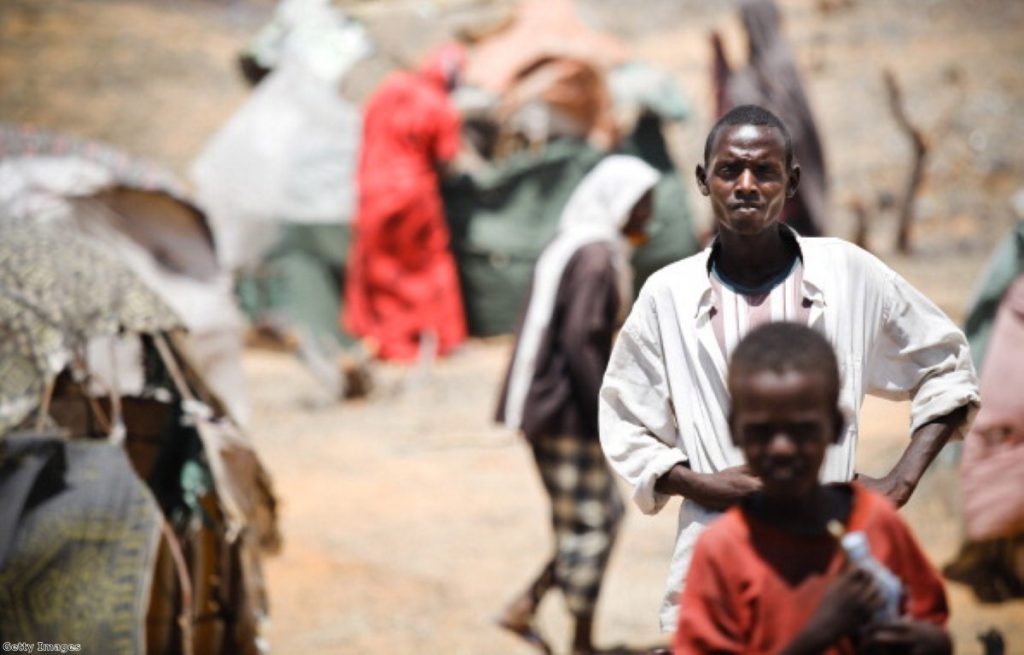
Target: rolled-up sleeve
921 355
637 426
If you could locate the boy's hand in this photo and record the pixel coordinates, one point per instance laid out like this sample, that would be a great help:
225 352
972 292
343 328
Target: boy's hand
847 606
912 637
849 602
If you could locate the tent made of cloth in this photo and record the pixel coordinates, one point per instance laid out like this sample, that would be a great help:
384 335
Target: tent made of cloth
541 29
89 353
548 71
58 292
141 215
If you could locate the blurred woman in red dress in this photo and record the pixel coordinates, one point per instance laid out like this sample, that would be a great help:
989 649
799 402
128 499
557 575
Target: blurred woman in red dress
402 288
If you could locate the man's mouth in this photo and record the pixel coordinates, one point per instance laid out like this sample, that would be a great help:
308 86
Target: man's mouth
745 207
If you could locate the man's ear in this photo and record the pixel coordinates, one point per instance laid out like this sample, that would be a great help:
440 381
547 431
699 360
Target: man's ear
702 180
794 180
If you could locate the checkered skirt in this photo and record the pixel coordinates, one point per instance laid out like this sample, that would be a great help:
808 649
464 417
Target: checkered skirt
586 510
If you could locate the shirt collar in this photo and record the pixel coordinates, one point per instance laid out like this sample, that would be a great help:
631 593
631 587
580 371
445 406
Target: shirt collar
813 272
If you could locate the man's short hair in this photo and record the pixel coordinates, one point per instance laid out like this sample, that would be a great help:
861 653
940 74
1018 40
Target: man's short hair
783 346
749 115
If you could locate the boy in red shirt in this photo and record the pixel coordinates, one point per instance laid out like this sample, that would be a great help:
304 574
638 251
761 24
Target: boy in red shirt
769 577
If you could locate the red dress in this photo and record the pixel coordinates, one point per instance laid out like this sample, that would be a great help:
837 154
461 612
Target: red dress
402 281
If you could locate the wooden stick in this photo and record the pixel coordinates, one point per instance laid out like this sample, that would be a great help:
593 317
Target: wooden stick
920 146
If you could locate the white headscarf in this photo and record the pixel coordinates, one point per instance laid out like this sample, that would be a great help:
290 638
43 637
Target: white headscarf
596 212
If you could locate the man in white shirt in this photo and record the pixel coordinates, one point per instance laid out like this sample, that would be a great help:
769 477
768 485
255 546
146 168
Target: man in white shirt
664 405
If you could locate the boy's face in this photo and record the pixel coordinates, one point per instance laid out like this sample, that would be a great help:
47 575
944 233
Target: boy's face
784 422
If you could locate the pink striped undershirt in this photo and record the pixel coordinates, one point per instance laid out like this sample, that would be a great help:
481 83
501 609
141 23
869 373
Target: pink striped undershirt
735 314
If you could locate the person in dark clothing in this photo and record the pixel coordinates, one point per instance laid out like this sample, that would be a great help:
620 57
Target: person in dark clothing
582 286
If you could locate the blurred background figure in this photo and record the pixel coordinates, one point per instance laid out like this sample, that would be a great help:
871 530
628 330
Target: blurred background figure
991 559
582 288
278 180
402 291
771 80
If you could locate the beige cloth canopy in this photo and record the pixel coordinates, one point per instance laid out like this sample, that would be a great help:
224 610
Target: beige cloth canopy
542 29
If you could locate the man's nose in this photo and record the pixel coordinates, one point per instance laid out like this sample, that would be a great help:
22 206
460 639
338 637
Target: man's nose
746 185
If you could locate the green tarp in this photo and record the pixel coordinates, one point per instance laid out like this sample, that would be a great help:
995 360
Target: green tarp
1006 264
502 221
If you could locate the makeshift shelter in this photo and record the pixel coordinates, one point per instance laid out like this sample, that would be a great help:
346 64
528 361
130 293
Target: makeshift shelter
545 69
540 29
500 222
558 96
123 480
147 220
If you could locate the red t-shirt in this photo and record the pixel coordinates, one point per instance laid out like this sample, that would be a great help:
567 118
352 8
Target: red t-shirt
752 587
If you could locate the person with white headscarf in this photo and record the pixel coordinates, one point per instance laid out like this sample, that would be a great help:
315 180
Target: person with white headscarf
582 287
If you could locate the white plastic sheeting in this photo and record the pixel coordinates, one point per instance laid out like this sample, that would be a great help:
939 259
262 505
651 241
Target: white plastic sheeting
289 153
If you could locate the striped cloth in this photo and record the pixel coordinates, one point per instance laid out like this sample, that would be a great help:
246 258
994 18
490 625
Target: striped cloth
738 311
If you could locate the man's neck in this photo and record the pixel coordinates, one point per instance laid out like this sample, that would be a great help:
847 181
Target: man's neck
753 259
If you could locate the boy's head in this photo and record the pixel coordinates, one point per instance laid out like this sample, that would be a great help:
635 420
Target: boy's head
784 382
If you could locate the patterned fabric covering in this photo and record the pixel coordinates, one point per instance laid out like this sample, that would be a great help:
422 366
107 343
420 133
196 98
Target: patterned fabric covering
81 566
586 511
56 292
25 141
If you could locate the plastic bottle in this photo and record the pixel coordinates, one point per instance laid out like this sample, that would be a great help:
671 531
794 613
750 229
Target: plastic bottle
855 544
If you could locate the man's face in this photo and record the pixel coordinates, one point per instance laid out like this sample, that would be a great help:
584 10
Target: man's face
784 423
747 179
635 228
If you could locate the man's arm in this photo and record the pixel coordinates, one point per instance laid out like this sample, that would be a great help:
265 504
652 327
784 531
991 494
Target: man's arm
920 355
925 444
637 422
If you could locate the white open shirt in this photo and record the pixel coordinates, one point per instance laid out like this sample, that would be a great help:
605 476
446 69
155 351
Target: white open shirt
664 398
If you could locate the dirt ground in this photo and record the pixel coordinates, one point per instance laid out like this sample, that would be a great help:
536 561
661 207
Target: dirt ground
409 518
